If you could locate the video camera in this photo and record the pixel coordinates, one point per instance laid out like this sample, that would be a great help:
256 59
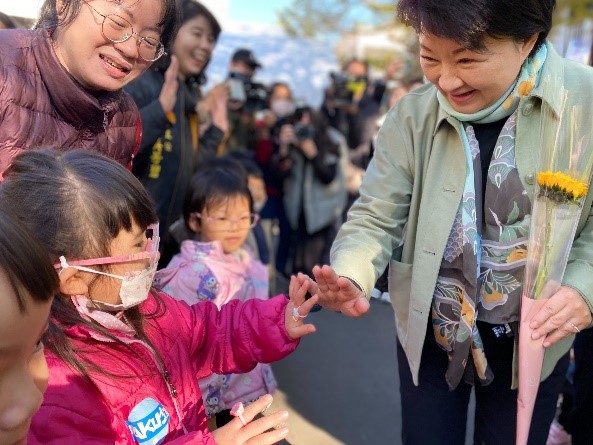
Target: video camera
252 96
345 87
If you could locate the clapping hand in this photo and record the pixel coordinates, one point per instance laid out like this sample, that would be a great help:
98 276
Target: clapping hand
168 94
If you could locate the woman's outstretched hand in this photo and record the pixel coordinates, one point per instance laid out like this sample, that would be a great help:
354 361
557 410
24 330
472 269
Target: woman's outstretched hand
244 430
336 293
298 308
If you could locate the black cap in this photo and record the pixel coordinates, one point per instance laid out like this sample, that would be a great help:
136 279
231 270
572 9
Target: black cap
246 56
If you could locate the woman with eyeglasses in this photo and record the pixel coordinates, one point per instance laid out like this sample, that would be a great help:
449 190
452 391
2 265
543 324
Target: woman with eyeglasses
61 83
216 265
175 139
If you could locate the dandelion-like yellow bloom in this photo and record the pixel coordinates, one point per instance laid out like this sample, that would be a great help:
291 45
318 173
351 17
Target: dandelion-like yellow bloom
561 187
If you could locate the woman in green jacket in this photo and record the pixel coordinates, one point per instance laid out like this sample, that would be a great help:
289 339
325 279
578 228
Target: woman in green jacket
469 139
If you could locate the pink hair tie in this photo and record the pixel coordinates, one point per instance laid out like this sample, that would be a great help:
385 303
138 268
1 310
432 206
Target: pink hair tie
237 410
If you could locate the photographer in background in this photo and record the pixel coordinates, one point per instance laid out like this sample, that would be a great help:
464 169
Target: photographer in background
352 105
271 154
246 98
314 191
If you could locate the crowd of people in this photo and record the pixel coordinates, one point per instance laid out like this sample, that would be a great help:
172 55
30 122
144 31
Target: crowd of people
143 220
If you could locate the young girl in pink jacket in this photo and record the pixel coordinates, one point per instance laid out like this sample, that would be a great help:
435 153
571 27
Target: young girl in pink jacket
123 358
219 267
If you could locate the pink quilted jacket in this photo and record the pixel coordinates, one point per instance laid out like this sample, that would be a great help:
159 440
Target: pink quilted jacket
149 405
42 106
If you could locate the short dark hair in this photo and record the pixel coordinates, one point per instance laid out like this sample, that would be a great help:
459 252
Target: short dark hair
49 16
247 161
215 181
25 262
190 9
469 22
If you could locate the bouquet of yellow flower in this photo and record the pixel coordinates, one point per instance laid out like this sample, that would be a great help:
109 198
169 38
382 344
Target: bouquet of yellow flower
562 183
555 213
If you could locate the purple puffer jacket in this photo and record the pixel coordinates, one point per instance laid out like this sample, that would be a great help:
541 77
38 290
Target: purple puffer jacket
42 106
148 404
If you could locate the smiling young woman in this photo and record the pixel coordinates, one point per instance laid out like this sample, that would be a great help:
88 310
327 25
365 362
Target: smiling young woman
168 96
63 80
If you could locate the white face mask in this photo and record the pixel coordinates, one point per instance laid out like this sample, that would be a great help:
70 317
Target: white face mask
135 285
282 107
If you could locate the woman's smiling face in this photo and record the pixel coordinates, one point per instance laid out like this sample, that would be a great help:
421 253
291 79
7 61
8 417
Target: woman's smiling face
96 62
193 46
472 80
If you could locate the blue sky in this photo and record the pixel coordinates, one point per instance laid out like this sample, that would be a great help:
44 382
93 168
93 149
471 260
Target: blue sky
256 11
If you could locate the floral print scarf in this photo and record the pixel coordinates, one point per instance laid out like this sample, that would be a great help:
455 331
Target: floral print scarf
466 279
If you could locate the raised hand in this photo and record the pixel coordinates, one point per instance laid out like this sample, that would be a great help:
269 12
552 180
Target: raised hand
218 98
338 293
168 94
298 308
244 430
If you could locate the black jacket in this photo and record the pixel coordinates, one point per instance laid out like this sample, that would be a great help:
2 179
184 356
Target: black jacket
167 160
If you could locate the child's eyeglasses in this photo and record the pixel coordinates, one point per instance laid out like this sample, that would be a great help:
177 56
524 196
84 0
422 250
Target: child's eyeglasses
243 223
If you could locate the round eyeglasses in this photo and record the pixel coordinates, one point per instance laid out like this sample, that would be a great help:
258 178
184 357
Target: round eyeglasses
118 30
243 223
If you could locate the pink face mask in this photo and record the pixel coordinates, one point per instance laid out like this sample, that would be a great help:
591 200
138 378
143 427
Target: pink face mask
135 285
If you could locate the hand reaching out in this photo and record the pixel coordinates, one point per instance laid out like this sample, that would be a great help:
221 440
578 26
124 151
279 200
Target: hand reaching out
337 293
260 431
298 308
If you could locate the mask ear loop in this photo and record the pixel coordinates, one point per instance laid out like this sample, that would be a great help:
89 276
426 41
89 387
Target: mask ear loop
64 265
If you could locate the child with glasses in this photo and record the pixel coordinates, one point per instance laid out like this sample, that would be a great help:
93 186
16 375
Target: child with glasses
217 266
62 81
124 358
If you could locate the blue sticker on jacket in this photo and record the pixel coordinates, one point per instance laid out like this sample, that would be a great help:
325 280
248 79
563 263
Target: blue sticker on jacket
149 422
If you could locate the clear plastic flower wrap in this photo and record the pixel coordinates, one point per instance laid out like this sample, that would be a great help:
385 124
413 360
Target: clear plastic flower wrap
563 178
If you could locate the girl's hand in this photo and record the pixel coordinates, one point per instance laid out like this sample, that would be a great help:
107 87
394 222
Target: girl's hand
298 308
338 293
254 432
565 313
